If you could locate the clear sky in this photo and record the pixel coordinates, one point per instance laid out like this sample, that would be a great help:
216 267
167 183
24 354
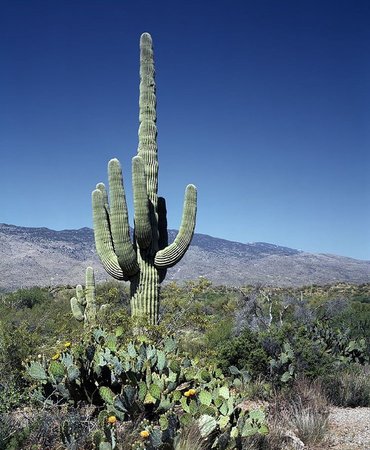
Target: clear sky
264 105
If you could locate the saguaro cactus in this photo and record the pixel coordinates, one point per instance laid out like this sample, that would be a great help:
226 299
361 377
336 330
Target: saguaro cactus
143 262
84 304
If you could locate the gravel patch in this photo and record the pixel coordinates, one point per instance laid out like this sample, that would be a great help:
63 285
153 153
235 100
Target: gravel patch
349 429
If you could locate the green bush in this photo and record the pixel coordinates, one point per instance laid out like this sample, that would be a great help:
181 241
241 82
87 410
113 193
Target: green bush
27 298
16 344
356 319
245 351
281 353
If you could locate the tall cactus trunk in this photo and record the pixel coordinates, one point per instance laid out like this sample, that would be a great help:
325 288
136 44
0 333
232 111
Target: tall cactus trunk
144 262
145 292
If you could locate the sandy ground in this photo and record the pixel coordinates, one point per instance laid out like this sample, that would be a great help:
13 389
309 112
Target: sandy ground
349 429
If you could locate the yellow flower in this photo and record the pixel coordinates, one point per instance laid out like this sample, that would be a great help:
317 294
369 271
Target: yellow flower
190 393
67 344
112 419
55 357
144 434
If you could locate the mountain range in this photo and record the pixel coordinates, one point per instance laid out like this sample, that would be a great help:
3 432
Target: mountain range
40 256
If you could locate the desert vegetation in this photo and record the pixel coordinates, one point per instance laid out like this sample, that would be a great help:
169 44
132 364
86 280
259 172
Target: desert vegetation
255 367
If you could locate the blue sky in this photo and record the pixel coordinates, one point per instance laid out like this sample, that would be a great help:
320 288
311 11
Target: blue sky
264 105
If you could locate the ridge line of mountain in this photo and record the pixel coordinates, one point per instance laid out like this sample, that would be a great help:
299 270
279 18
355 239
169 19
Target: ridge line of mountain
42 256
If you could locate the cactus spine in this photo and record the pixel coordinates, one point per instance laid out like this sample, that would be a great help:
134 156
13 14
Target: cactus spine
145 261
84 304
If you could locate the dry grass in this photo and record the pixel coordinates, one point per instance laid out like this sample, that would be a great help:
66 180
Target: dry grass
190 439
38 429
297 418
350 387
309 412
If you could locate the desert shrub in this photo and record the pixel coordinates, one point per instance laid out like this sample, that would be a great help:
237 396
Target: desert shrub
113 319
219 333
258 389
280 353
309 357
18 430
11 439
277 354
27 298
244 351
349 387
356 319
12 395
16 344
315 349
259 309
39 324
113 293
51 427
199 315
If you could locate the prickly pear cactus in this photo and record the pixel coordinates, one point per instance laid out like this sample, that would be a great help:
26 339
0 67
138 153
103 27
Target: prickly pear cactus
143 262
83 306
156 388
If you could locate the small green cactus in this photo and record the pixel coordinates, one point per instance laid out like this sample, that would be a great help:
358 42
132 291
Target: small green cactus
144 262
83 306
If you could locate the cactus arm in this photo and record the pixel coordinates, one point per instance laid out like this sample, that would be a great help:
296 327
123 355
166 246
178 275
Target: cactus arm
120 229
78 303
80 295
143 228
172 254
77 309
101 187
103 238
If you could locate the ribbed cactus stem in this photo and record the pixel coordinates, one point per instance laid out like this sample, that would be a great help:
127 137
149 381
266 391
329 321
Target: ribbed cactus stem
145 292
84 304
76 306
119 224
144 261
147 148
172 254
143 225
90 294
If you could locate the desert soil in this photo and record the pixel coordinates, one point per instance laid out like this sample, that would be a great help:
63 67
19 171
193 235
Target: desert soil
349 429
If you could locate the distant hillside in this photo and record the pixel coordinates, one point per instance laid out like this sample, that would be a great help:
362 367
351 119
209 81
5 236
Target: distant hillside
40 256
